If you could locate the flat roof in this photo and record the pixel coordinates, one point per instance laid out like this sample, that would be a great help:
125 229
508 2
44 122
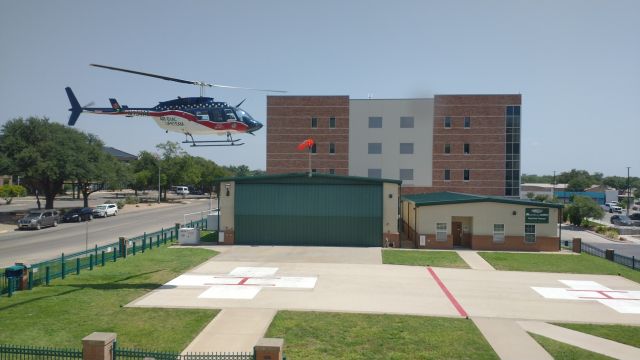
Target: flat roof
318 176
446 198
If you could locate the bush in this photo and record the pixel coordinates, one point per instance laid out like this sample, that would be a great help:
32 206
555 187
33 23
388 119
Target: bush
130 200
8 192
120 204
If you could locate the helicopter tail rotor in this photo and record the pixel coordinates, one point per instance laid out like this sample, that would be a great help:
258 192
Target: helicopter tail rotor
76 109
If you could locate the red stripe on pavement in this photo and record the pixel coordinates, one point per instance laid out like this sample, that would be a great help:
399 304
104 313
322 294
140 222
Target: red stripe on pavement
446 291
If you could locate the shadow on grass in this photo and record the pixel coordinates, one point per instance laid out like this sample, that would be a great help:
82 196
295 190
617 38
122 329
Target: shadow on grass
113 285
38 299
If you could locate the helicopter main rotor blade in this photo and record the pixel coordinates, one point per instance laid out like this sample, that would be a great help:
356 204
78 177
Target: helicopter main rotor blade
149 74
199 83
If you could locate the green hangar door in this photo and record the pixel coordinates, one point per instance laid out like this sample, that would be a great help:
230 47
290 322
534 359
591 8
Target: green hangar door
308 214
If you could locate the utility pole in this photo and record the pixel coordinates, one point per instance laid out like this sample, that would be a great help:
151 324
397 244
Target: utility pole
554 184
628 191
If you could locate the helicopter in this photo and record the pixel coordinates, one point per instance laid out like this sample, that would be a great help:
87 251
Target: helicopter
189 115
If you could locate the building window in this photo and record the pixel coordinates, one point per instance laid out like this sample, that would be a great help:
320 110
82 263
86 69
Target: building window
465 175
406 174
529 233
332 171
375 148
314 123
314 170
447 174
375 173
447 122
441 231
466 150
332 148
375 122
512 151
332 122
498 233
406 148
447 148
467 122
406 122
313 148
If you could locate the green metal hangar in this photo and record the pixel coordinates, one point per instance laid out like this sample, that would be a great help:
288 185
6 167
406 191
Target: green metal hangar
445 220
316 210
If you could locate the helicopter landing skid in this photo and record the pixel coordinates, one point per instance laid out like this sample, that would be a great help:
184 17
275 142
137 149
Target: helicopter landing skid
229 142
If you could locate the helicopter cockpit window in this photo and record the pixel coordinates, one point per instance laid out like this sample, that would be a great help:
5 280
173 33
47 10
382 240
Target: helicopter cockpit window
246 118
202 115
229 115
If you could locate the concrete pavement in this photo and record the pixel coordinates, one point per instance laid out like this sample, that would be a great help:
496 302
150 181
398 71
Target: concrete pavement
582 340
475 261
248 279
236 329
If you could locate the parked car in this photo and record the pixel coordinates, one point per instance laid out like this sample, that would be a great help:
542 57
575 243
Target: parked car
635 216
195 191
38 219
78 214
615 209
621 220
105 210
182 190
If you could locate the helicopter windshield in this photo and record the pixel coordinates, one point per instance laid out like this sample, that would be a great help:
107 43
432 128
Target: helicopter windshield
246 118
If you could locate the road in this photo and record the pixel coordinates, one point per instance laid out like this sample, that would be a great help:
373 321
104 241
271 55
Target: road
33 246
626 249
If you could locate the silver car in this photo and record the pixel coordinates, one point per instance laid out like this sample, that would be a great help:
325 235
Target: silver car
38 219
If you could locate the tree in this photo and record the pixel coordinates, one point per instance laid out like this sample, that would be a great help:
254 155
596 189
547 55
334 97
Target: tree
581 208
8 192
42 152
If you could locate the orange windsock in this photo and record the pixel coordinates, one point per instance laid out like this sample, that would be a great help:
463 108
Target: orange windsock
307 144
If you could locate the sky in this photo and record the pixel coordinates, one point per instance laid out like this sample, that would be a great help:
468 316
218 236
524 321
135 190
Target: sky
575 62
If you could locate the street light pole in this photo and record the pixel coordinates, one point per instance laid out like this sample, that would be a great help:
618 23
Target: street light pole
628 191
159 181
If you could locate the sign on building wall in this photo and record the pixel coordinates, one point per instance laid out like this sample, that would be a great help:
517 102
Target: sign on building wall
536 216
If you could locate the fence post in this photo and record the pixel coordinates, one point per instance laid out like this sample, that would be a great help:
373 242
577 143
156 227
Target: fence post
144 241
158 241
123 246
10 289
47 275
103 262
62 266
609 254
115 253
78 266
99 346
633 262
134 248
30 284
268 349
577 245
95 256
90 261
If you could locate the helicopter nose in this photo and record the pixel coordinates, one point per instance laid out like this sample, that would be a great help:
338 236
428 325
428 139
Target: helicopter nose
257 126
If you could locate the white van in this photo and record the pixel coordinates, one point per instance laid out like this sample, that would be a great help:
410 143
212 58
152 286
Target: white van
182 190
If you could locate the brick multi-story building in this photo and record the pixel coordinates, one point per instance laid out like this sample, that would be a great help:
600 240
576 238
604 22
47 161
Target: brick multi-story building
461 143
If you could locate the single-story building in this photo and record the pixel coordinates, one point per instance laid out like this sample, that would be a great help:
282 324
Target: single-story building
445 220
308 209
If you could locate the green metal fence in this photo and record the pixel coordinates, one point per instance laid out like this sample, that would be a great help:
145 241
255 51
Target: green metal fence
10 352
132 354
43 272
17 352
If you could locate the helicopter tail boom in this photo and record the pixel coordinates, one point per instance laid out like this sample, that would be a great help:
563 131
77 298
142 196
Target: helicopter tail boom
76 109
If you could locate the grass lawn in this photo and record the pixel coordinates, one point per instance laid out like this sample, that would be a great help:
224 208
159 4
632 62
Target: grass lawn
624 334
449 259
61 314
562 351
312 335
576 264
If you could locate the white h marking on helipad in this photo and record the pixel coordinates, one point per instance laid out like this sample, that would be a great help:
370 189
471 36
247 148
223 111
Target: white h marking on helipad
242 282
622 301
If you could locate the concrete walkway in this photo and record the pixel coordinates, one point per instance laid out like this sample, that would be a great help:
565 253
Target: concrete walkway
233 330
475 261
509 340
582 340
